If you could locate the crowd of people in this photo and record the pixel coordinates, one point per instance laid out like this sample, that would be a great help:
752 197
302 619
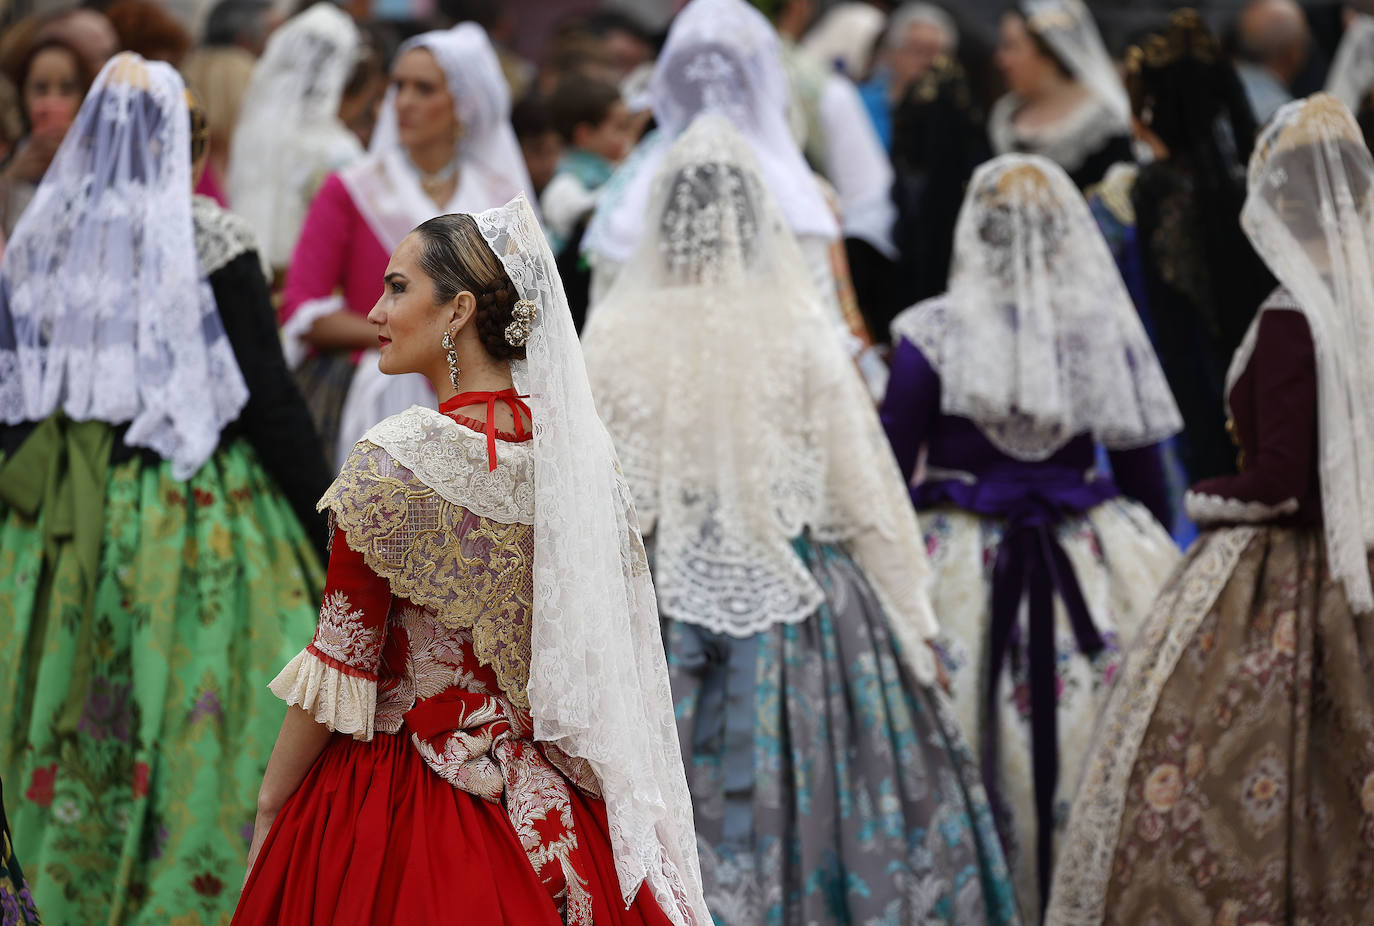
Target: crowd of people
796 467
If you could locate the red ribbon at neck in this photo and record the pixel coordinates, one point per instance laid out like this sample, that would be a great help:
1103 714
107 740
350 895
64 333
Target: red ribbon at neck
512 401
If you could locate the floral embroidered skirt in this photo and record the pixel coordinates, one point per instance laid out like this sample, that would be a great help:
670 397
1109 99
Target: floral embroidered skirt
135 735
1120 557
374 835
16 902
1232 777
828 787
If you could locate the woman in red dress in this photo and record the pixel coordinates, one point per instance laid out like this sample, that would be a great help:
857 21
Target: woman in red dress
481 727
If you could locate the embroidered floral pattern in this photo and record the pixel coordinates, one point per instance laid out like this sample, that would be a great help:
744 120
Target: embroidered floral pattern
148 779
474 738
432 679
1264 793
1120 556
470 572
1231 780
344 635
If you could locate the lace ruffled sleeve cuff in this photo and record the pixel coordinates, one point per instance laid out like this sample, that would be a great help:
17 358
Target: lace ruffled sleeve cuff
298 325
1206 508
343 701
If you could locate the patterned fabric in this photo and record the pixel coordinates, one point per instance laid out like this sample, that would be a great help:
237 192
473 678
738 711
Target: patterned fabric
1232 780
323 380
828 788
1120 557
133 798
16 901
472 569
428 678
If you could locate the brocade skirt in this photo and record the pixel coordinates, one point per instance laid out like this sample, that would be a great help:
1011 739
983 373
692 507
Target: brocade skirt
828 786
1121 557
1231 779
133 737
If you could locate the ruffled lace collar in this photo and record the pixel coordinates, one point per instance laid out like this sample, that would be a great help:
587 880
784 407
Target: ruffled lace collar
452 460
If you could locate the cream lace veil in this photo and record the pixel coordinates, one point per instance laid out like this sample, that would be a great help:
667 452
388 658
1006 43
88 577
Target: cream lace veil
1310 215
1037 340
739 418
105 312
598 684
721 56
289 136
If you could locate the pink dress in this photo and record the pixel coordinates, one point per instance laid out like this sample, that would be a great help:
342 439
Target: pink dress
337 253
337 265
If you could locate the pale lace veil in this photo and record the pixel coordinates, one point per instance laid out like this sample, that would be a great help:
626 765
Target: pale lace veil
1067 26
1037 340
1352 73
487 143
105 312
289 136
739 419
1310 216
721 56
598 681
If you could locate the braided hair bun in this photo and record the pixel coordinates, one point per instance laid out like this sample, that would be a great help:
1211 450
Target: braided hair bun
455 256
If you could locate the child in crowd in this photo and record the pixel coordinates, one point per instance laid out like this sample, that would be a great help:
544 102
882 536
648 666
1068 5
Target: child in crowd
540 143
595 125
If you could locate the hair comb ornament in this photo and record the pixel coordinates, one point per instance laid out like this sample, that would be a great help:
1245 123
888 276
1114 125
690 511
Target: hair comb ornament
523 314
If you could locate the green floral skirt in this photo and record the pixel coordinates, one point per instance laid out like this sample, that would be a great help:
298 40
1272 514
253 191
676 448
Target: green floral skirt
135 734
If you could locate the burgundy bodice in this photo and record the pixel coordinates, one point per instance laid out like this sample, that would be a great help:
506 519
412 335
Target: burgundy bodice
1274 421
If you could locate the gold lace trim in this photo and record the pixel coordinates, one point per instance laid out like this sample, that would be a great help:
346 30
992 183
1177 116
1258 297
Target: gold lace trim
472 572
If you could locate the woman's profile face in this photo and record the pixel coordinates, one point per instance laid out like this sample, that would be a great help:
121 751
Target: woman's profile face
424 107
409 325
1022 65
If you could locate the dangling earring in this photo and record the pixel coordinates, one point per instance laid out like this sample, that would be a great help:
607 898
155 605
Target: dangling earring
447 344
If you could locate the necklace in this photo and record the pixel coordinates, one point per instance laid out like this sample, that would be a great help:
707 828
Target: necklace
430 181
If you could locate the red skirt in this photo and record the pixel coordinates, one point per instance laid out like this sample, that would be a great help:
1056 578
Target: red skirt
373 836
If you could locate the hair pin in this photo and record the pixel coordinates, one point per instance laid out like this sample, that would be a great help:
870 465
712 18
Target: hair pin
523 314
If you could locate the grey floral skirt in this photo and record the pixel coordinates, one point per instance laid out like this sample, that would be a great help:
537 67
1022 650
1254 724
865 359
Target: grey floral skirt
828 786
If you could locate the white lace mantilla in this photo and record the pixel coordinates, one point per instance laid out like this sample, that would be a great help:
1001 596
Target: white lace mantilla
107 313
1308 214
598 677
732 452
221 236
452 460
1037 340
